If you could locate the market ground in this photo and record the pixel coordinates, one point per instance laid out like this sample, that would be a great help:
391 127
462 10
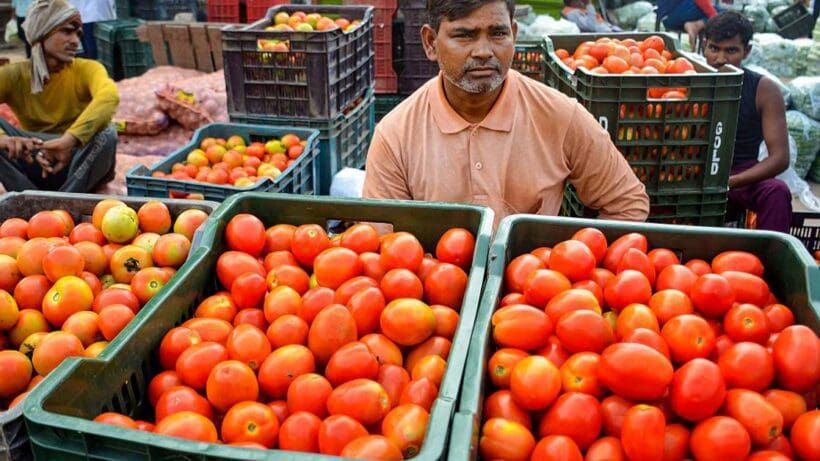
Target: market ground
18 54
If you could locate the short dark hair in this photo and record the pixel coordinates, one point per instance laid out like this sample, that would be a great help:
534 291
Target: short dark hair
457 9
728 25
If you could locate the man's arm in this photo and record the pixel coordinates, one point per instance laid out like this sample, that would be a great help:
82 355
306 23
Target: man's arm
384 176
104 100
775 134
601 175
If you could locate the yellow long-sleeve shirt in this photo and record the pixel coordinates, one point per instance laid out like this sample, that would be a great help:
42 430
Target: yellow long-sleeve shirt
80 99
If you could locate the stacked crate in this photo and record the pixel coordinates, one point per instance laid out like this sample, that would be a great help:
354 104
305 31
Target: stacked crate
316 79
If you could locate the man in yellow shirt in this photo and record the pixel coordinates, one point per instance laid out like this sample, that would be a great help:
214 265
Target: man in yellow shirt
64 104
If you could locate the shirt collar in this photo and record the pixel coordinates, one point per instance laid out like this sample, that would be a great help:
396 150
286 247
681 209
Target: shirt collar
500 116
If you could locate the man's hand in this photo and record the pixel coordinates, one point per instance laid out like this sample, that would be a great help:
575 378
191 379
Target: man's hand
19 148
57 153
694 28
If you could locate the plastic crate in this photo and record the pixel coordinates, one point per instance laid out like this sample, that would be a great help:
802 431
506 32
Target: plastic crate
119 49
14 441
343 140
135 57
794 22
223 11
672 145
694 208
163 10
320 76
416 68
790 271
385 103
299 178
385 75
529 60
257 9
58 412
123 9
806 228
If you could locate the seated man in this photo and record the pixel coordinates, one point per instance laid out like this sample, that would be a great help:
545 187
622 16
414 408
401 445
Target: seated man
761 117
484 134
64 104
583 15
686 15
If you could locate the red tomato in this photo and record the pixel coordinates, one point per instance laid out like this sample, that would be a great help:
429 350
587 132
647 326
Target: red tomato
617 249
796 354
309 392
503 439
232 264
779 317
613 410
337 431
375 447
300 432
188 425
761 419
334 266
364 400
642 435
500 404
360 238
746 322
677 277
805 436
595 240
720 438
519 270
661 258
542 285
741 261
748 288
535 383
747 366
456 246
406 426
574 259
584 331
790 404
712 295
635 371
699 267
445 285
637 260
605 449
580 374
669 303
571 300
556 447
688 337
576 415
250 422
627 287
501 363
246 233
520 326
648 338
675 443
196 362
697 390
308 241
181 398
401 250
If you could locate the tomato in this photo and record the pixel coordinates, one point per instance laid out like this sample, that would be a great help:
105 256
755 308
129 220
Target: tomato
446 321
595 240
69 295
676 276
249 345
116 419
580 374
669 303
29 291
348 289
300 432
643 433
287 329
385 350
337 431
779 317
619 247
661 258
407 322
699 266
309 392
712 295
250 422
648 338
805 435
14 227
782 445
501 363
556 447
401 250
148 282
161 383
375 447
53 349
229 383
720 438
181 398
747 366
575 415
351 361
176 341
741 261
59 262
114 295
796 354
360 238
246 233
316 299
535 383
605 449
364 400
431 367
292 276
542 253
393 379
554 352
520 326
697 390
627 287
571 300
113 319
334 266
790 404
308 241
248 290
422 392
282 366
218 306
688 337
761 419
503 439
405 426
635 316
574 259
216 330
445 285
635 371
584 331
371 265
518 271
601 276
746 322
127 261
637 260
279 237
280 408
456 246
279 258
232 264
16 373
500 404
196 362
767 455
748 288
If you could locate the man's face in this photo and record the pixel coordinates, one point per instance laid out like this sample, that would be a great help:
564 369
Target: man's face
475 52
731 51
64 42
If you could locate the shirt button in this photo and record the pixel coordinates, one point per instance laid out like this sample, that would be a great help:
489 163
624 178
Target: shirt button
478 166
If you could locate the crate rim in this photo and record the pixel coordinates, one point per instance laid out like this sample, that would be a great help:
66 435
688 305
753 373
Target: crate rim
33 405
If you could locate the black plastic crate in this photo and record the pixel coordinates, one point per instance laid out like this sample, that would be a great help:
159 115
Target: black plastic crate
320 75
416 68
385 103
343 140
529 60
806 227
794 22
163 10
672 144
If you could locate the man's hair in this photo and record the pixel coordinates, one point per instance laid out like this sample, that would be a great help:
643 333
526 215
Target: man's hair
728 25
437 10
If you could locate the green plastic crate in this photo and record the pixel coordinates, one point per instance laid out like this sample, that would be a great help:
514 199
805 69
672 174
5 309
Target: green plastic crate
529 60
14 441
58 412
343 139
119 50
385 103
135 57
672 145
695 208
299 178
791 272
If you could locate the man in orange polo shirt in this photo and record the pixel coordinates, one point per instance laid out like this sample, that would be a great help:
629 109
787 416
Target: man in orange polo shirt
484 134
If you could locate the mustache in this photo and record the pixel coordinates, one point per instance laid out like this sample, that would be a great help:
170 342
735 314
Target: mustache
472 64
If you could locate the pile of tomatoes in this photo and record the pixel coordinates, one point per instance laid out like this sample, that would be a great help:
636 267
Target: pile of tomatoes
612 352
66 289
326 345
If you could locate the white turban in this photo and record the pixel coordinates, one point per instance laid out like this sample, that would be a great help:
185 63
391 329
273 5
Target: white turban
44 16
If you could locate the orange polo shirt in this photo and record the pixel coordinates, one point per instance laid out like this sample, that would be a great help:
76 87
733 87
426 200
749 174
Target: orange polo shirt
516 160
